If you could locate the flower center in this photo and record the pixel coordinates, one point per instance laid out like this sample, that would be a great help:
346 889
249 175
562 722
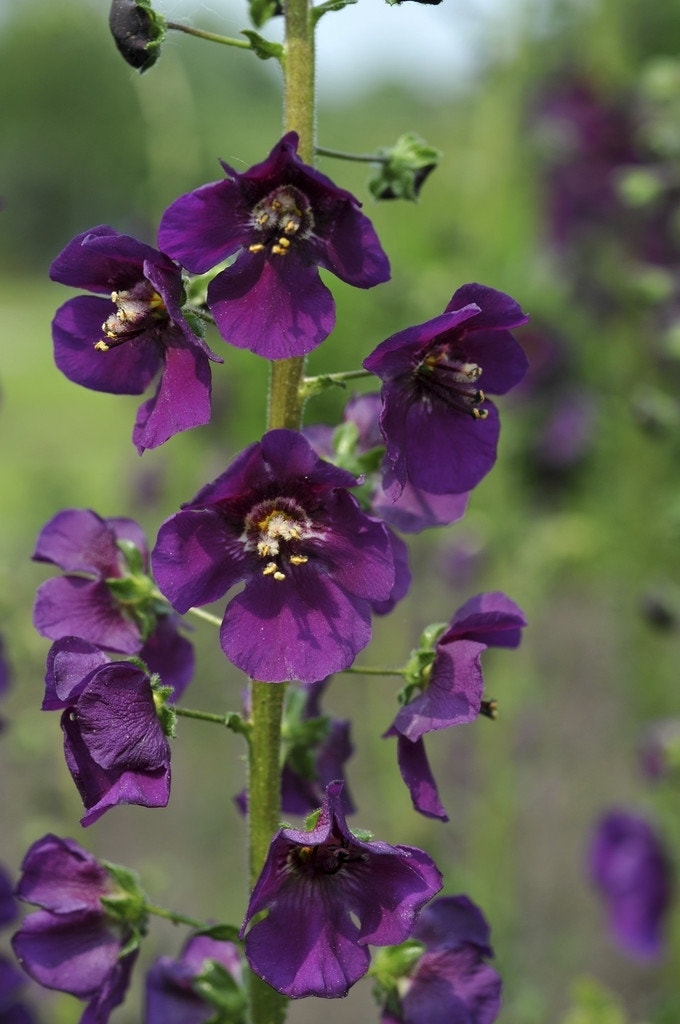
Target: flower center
137 310
276 529
282 216
453 381
322 860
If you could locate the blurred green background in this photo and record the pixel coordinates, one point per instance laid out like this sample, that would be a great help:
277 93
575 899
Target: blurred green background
86 141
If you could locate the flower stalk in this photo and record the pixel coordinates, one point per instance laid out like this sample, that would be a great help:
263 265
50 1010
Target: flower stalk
284 410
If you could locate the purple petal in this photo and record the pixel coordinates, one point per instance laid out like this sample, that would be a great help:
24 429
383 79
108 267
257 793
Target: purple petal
73 953
182 399
70 663
453 987
204 227
170 655
61 877
101 260
497 310
277 308
491 619
416 773
74 606
453 695
78 540
452 921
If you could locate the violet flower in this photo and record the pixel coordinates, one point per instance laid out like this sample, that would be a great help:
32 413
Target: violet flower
107 597
412 510
12 1011
176 989
328 895
631 869
451 983
448 688
281 520
440 429
121 343
114 742
73 944
281 219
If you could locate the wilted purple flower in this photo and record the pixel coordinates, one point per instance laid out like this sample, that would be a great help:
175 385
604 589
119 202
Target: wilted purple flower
451 983
283 521
449 687
328 895
631 869
175 989
114 743
72 944
440 430
281 219
107 596
119 344
412 510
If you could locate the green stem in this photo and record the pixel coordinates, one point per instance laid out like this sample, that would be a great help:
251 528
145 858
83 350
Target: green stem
242 44
199 613
311 385
366 670
231 720
171 915
362 158
284 410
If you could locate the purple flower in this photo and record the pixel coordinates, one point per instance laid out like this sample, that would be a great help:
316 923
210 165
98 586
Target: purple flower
412 510
451 982
11 981
175 988
72 944
8 906
121 343
107 597
630 868
448 688
114 743
328 895
281 219
440 430
281 520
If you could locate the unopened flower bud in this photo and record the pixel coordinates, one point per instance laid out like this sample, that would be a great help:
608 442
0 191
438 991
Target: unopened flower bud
403 168
137 31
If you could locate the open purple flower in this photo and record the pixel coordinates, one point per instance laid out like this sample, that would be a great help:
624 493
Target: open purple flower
448 688
176 989
631 869
328 895
451 982
282 220
114 743
72 944
121 343
440 429
107 597
281 520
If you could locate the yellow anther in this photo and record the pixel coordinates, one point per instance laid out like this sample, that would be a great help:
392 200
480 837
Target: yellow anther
480 414
291 226
101 346
262 219
285 242
277 250
279 575
270 569
298 559
257 247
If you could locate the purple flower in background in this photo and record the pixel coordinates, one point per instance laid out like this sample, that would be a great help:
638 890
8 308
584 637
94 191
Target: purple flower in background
328 895
11 982
5 676
281 520
72 944
121 343
173 987
114 743
631 869
451 982
107 597
282 220
449 688
412 510
8 906
440 430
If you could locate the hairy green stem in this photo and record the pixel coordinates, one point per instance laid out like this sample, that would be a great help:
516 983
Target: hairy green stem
284 410
361 158
170 915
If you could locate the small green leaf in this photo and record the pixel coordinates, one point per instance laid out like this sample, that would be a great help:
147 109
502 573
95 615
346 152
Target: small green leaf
328 6
262 10
221 933
261 47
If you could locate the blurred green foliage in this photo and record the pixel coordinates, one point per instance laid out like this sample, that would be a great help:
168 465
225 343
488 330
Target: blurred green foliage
86 141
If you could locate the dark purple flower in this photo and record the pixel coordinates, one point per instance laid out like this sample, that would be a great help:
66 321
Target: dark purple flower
281 520
281 219
72 944
121 343
440 429
631 869
174 992
448 688
8 906
411 510
11 981
114 743
328 895
451 982
107 597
